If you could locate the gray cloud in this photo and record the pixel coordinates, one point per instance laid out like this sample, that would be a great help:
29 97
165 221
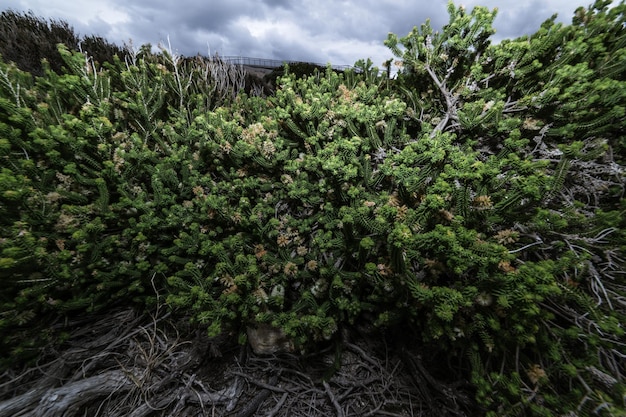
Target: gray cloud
337 31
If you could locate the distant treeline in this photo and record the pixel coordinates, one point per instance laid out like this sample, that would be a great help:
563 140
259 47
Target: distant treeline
27 40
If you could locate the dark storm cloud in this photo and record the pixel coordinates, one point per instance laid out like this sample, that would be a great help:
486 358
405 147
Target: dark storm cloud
286 4
337 31
524 20
150 17
402 21
525 17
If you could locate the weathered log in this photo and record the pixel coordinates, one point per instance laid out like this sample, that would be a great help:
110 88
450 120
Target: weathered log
64 400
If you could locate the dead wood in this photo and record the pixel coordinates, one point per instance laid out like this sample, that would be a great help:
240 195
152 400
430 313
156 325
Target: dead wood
67 399
142 365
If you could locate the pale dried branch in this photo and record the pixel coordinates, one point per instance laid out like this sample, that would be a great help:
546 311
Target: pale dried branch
332 399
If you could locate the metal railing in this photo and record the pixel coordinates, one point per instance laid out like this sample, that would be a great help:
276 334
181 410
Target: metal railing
273 63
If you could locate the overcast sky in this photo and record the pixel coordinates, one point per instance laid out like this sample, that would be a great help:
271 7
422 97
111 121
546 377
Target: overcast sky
322 31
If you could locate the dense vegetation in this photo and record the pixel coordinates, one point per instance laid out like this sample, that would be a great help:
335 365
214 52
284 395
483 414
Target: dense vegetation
476 201
27 40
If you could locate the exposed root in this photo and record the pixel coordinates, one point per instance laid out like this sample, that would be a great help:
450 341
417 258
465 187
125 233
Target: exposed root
140 366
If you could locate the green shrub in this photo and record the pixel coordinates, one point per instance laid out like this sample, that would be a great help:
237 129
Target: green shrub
548 148
298 69
457 202
86 157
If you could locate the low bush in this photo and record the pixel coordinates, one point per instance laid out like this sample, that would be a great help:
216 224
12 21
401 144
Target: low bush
473 202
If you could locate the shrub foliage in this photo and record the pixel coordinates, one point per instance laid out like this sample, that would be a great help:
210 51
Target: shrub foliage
476 200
